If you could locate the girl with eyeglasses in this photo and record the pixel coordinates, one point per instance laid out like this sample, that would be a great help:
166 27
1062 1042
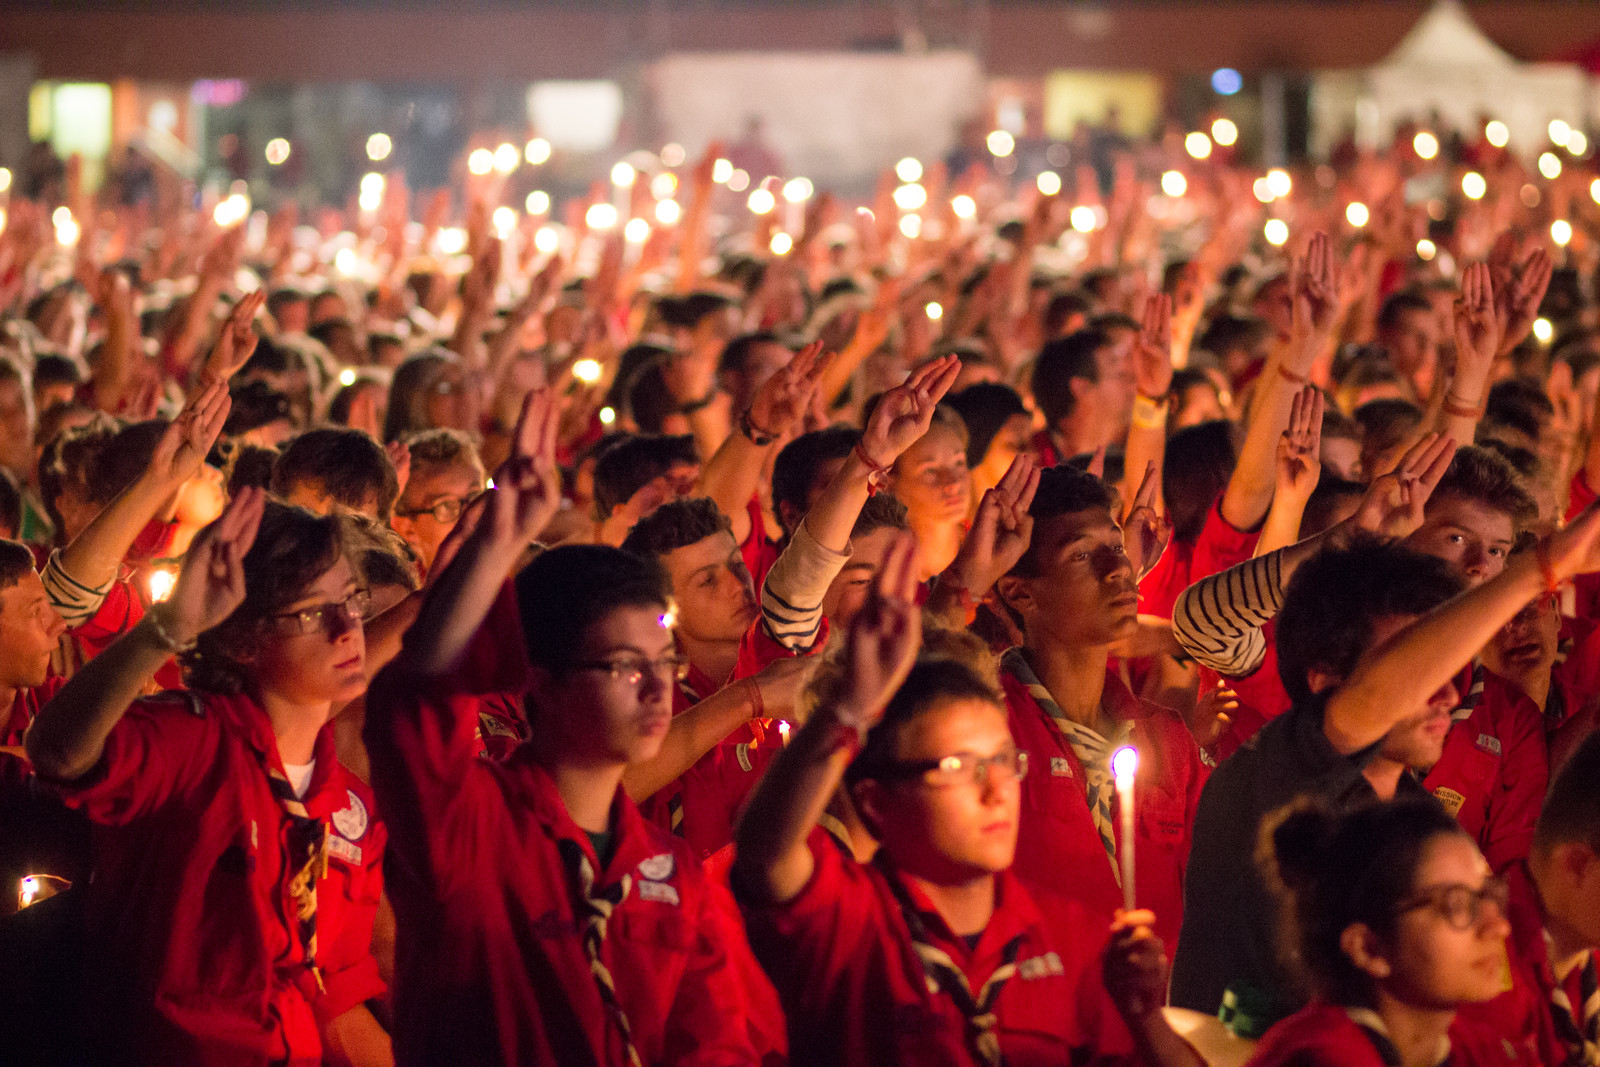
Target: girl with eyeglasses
237 862
933 952
1393 920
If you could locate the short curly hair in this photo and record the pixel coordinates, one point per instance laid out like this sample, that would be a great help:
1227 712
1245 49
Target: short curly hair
674 525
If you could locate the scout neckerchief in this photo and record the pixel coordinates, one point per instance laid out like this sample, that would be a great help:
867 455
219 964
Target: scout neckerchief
597 908
1093 752
308 860
1377 1032
943 975
1579 1029
1469 703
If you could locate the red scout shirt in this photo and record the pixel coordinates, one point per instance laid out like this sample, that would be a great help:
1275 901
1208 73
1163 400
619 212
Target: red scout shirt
841 957
199 959
492 968
758 550
1058 846
1493 772
703 804
1324 1035
1219 546
1522 1015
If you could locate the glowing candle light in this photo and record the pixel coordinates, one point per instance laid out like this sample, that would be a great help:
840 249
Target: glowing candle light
1124 765
587 371
161 583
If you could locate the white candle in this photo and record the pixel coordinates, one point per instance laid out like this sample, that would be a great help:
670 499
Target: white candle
783 732
1124 764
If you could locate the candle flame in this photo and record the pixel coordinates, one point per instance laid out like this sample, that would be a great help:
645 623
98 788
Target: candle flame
1124 762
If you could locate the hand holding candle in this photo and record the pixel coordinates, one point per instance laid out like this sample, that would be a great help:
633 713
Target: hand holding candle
1124 765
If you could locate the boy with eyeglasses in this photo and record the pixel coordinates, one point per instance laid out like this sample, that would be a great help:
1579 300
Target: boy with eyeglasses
446 476
934 952
238 864
541 919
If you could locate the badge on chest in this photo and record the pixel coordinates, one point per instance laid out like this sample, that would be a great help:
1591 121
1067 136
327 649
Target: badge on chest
349 825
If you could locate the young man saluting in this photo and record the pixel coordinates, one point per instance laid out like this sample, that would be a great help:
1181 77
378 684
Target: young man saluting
541 919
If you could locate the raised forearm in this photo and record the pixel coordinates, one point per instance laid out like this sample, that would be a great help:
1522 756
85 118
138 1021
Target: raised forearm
731 477
457 604
94 556
1395 680
692 734
68 736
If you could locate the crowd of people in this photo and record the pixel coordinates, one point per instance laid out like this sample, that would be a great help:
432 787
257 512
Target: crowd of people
709 641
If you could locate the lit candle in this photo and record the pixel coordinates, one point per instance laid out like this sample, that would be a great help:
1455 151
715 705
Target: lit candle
161 583
783 732
1124 764
29 890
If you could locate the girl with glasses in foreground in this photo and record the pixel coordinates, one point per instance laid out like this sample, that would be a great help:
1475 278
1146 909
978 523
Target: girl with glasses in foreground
237 861
1394 920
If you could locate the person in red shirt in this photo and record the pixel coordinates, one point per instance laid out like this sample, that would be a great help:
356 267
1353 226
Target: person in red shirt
1552 1011
1074 593
934 952
237 863
1396 921
541 919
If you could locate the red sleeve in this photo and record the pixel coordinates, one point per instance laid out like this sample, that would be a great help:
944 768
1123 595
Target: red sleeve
758 550
707 1024
759 649
1221 545
1507 834
496 660
1579 495
436 795
819 935
156 749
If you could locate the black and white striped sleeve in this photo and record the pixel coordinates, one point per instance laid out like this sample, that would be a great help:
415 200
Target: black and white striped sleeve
1218 619
791 597
75 602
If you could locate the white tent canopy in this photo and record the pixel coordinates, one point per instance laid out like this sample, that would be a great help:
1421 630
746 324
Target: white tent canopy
1446 65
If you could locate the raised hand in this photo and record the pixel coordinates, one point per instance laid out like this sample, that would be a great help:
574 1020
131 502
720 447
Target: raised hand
210 584
1152 353
1477 327
905 412
188 439
1394 501
783 398
1300 447
1519 297
1145 533
237 341
527 488
1316 288
1000 531
1213 714
883 639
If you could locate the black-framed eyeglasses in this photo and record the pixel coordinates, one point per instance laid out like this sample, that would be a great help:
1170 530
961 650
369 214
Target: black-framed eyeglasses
322 618
630 670
1460 905
445 512
958 768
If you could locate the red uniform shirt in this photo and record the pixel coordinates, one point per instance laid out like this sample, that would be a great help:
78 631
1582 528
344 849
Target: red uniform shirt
1219 546
1058 846
1493 772
1522 1015
758 550
490 965
854 989
1262 697
1325 1035
197 958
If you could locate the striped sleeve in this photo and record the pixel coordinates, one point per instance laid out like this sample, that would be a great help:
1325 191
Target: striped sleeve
75 602
1218 620
791 597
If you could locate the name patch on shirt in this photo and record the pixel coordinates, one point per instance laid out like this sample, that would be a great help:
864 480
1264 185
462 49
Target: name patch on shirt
1060 767
351 822
659 892
341 849
1046 966
1489 743
1450 799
